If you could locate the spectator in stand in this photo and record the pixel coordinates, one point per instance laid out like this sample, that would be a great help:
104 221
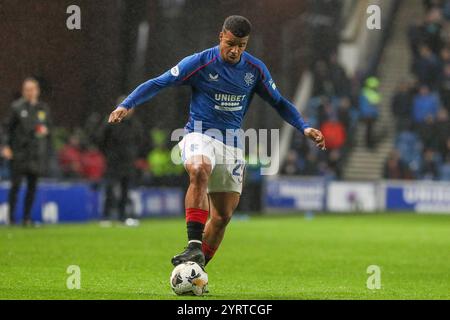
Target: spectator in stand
414 86
431 30
395 168
310 165
442 131
427 67
93 164
445 151
344 113
414 35
325 110
401 106
369 101
325 171
429 169
444 87
291 167
446 9
69 158
428 33
334 162
334 132
445 55
301 144
430 4
429 119
425 103
427 132
323 84
341 83
444 173
443 5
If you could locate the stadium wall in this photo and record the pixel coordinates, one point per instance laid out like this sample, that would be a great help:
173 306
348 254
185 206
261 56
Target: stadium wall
81 202
299 194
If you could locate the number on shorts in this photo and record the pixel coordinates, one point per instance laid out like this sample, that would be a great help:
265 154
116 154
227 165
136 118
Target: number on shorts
235 170
238 171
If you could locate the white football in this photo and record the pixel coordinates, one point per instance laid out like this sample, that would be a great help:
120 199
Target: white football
189 278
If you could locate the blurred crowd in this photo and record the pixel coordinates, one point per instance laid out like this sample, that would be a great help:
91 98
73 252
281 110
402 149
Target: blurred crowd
98 151
113 158
333 110
421 105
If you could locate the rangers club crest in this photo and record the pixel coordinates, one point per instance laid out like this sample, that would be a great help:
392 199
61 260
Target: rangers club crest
249 78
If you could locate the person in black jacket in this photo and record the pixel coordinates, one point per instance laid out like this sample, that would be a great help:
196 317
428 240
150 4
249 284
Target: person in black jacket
121 145
401 106
27 146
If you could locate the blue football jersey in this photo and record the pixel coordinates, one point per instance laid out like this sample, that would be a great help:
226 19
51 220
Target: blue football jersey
221 92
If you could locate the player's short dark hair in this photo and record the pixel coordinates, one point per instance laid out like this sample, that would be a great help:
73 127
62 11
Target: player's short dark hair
237 25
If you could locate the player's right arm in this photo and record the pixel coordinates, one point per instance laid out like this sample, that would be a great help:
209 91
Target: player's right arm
178 75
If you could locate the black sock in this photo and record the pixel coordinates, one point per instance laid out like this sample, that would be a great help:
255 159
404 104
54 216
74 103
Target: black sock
195 231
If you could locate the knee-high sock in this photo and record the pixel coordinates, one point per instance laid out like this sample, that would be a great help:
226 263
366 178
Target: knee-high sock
195 222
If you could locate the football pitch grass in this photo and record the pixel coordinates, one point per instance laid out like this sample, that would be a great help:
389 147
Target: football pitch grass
262 257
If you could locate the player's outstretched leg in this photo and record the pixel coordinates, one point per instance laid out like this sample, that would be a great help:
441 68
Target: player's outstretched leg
197 208
222 206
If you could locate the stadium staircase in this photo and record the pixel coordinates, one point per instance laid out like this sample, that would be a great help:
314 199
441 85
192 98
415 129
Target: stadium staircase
365 164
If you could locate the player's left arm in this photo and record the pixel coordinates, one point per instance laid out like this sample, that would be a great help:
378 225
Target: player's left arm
267 89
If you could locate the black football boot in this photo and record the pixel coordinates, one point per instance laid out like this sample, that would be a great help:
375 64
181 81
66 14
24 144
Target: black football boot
193 252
